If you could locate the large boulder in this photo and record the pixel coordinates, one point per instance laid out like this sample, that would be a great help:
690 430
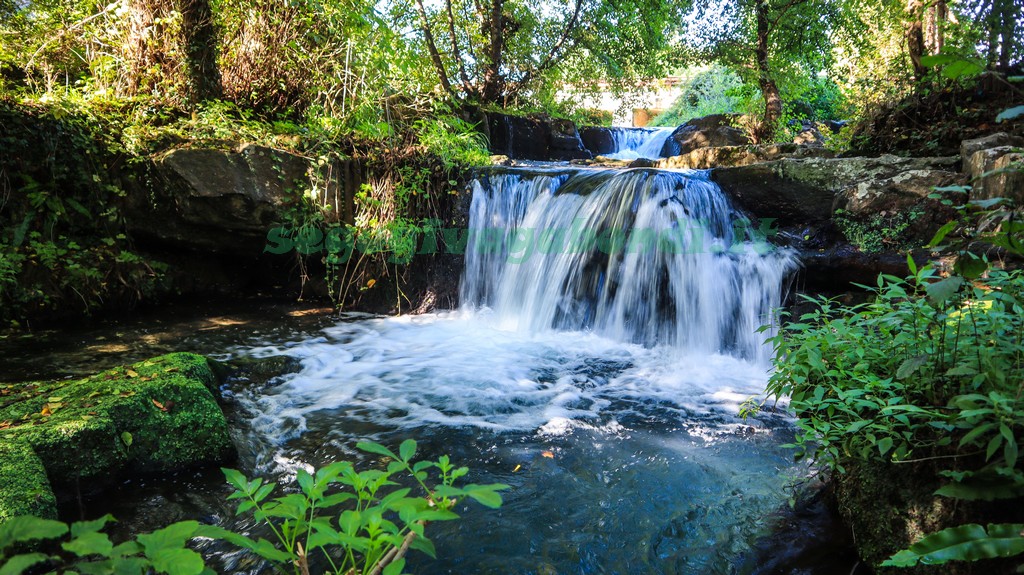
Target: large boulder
217 201
710 131
1007 181
730 156
534 138
598 140
997 140
151 417
896 213
800 192
996 173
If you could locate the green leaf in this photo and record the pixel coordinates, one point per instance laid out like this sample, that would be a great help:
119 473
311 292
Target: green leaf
884 445
305 481
395 567
857 426
1011 114
986 204
178 562
970 266
20 563
371 447
940 235
911 365
424 545
982 486
942 290
964 543
236 479
963 68
83 527
91 543
486 495
26 528
173 536
911 264
407 450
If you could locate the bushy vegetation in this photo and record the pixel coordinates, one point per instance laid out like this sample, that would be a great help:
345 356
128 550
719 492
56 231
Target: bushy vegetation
341 521
930 370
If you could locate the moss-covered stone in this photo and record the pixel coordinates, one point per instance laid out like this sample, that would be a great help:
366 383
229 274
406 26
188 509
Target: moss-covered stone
157 415
24 488
890 506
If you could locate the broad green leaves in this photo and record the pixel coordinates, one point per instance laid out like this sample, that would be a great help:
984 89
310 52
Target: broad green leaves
92 553
954 67
360 520
964 543
360 516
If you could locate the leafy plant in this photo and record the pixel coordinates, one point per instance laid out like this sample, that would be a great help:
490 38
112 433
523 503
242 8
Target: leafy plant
355 521
83 548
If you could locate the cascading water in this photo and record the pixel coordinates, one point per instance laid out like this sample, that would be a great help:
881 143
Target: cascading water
653 257
597 366
633 143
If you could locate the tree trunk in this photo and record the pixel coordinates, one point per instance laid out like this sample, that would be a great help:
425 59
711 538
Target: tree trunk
435 56
1007 29
200 39
915 37
492 88
935 20
769 89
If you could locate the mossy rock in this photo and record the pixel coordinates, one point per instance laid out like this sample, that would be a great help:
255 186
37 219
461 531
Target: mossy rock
155 416
24 487
890 506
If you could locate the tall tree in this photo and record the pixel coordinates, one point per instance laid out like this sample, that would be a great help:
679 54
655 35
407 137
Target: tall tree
763 38
491 51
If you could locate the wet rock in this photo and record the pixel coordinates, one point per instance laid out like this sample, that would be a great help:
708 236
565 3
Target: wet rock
598 140
807 539
810 137
835 126
565 142
534 138
710 131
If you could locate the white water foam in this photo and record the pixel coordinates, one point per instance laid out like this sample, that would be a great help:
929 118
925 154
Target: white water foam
460 369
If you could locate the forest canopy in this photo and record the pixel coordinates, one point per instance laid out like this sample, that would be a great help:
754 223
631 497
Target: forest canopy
355 59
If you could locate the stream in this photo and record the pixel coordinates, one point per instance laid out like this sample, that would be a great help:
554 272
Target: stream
603 384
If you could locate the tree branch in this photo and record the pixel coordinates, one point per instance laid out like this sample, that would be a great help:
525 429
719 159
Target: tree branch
456 52
393 555
435 56
552 57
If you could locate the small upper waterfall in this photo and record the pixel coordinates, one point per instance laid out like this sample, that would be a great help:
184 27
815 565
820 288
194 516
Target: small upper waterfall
645 256
633 143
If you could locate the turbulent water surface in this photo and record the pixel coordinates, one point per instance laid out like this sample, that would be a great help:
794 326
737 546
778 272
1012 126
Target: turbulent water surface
600 378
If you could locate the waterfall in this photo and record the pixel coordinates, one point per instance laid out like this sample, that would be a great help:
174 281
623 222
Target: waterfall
654 257
633 143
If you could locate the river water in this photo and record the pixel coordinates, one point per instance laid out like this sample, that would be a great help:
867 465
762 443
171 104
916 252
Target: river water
603 384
